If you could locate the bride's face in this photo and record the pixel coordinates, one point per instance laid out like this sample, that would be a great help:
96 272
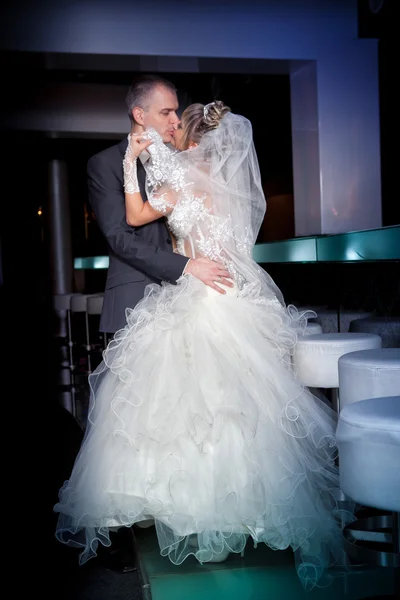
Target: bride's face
178 137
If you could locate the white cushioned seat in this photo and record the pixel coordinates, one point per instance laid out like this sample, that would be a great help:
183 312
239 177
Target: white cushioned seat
63 301
368 440
312 328
388 328
369 374
338 321
95 304
315 358
79 302
346 316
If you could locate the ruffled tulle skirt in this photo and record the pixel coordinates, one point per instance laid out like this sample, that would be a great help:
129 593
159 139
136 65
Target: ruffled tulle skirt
198 422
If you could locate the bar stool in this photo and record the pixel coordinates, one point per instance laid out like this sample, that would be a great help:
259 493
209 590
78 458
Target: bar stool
315 358
62 307
94 308
387 327
347 315
369 374
368 441
62 304
338 320
79 305
312 328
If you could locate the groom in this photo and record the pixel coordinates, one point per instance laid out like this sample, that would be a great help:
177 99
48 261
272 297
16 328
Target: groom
143 255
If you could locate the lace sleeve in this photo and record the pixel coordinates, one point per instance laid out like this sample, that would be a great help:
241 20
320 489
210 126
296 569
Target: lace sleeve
165 177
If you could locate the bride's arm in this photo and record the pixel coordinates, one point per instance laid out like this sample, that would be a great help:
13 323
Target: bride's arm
138 212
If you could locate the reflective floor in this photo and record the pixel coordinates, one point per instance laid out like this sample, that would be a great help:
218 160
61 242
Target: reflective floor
260 575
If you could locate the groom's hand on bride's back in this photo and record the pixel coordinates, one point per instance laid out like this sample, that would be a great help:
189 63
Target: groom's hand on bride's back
209 272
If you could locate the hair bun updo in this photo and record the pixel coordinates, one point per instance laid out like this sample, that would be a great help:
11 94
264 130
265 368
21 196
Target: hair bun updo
198 119
213 113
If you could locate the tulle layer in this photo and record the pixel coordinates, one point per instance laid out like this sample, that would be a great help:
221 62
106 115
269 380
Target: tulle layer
196 420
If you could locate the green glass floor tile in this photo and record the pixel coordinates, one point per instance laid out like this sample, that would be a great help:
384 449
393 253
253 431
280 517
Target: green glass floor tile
253 557
265 583
241 584
262 574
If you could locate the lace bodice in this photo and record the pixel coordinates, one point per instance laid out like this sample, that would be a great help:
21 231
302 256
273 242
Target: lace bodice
197 230
213 200
189 212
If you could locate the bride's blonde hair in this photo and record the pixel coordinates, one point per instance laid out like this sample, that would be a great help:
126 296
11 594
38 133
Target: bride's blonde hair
198 119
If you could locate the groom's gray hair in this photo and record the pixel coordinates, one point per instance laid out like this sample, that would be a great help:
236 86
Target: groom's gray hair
140 90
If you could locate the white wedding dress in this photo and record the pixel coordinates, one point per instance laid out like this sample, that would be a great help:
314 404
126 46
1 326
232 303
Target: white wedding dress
197 420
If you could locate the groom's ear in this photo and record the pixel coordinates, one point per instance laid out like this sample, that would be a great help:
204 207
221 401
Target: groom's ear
138 114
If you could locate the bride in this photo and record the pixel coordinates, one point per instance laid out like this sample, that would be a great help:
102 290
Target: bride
196 418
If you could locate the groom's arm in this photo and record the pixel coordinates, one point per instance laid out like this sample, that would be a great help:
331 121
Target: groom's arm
106 197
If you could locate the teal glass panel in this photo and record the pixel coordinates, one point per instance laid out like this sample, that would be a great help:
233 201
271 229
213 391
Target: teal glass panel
370 245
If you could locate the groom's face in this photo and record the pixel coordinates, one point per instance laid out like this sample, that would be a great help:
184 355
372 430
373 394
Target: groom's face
160 113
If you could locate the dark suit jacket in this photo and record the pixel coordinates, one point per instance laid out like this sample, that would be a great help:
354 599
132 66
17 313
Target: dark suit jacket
138 255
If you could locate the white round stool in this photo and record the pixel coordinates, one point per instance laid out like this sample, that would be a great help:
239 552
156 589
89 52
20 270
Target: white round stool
315 357
95 304
338 321
369 374
328 319
79 302
63 301
368 441
387 327
346 316
312 328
